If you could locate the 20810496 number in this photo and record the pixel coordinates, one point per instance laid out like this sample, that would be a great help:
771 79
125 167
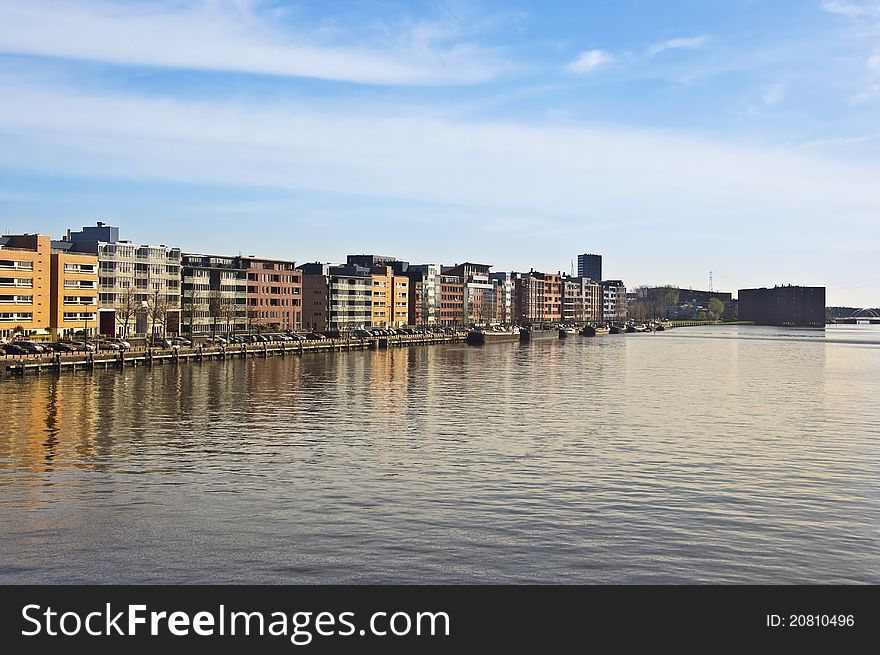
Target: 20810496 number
820 620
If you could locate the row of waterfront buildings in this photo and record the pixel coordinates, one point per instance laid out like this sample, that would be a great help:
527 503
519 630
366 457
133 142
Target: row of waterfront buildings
91 282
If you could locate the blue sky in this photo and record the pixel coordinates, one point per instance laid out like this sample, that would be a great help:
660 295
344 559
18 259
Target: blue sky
673 137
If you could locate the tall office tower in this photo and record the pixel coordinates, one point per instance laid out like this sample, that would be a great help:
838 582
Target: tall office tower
590 266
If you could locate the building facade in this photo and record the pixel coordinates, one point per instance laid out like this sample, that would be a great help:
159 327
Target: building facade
614 301
336 297
424 293
213 295
788 306
590 266
274 293
45 293
451 301
582 300
538 298
138 284
390 299
505 283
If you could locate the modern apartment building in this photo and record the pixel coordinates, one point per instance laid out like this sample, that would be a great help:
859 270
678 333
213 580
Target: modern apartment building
424 293
590 266
538 298
274 293
613 301
138 284
505 283
336 297
581 300
480 296
390 299
46 293
451 300
213 295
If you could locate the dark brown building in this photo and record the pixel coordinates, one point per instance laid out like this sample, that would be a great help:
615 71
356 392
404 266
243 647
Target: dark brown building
784 306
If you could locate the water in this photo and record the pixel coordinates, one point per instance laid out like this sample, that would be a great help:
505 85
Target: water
720 454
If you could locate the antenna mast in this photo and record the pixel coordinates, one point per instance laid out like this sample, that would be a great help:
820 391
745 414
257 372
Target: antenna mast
710 282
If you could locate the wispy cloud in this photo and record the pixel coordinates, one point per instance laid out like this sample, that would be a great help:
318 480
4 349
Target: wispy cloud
851 9
688 43
590 60
497 167
239 36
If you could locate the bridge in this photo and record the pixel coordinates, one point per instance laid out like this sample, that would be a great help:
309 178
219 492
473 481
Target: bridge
861 316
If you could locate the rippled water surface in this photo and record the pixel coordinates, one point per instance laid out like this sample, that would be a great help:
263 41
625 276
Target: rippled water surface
720 454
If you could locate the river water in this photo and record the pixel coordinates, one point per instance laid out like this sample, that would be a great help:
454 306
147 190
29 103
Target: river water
716 454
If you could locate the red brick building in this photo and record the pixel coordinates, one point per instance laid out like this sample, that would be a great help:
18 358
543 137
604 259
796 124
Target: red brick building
274 293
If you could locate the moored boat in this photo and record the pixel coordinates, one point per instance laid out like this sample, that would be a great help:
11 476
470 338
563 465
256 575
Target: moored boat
480 337
565 332
594 330
531 334
617 329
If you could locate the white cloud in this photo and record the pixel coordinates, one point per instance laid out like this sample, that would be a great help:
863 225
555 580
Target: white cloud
495 167
689 43
589 60
236 36
851 9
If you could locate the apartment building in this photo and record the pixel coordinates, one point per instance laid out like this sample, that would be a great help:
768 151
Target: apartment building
138 284
613 301
504 281
480 295
336 297
74 297
45 293
538 298
274 293
213 295
424 293
582 300
451 312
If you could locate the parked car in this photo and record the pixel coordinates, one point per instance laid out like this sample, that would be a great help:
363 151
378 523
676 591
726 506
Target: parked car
110 345
13 349
314 336
180 341
362 334
296 337
65 347
220 341
31 347
83 345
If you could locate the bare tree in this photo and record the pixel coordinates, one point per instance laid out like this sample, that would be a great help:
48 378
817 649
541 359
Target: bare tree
190 300
157 309
126 308
215 309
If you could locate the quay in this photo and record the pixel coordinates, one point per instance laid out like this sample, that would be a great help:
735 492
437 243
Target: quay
18 365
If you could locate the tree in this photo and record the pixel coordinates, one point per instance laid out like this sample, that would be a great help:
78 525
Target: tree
215 309
658 301
190 300
639 311
157 308
229 312
716 308
126 308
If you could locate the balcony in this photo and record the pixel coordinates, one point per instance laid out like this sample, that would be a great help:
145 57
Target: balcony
16 265
17 283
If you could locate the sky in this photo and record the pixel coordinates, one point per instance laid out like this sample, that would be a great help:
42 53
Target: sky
674 137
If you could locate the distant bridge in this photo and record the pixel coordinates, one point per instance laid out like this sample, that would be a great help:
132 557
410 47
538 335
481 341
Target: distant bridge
860 316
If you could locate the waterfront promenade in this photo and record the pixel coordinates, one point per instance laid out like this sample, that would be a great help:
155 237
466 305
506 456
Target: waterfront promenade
145 356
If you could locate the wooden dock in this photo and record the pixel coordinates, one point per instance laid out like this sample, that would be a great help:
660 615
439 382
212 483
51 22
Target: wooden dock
19 365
